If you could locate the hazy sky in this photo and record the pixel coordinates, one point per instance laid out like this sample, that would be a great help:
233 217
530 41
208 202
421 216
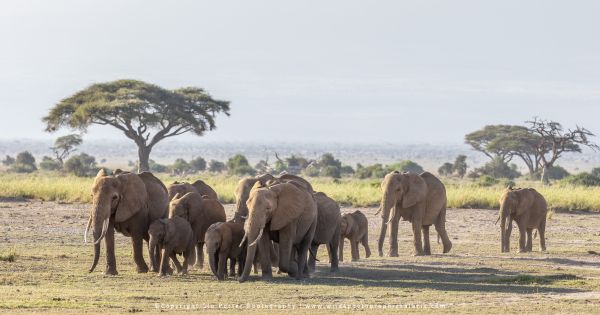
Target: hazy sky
345 71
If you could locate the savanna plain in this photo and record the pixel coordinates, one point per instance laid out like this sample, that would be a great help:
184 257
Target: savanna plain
43 262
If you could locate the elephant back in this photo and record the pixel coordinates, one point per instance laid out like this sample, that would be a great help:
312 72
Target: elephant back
158 199
328 218
436 199
205 190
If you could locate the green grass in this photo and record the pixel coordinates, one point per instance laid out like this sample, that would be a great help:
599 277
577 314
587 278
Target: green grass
348 191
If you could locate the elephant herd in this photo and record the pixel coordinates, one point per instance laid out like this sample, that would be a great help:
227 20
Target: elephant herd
278 222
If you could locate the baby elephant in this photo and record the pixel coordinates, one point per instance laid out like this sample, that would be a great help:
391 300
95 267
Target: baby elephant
528 209
355 227
171 237
223 242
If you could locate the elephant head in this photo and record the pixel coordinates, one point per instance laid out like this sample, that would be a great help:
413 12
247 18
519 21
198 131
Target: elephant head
120 196
242 192
347 224
158 232
180 205
179 188
214 241
278 205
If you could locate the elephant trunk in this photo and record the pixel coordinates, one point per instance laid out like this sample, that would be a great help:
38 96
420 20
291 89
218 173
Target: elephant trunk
213 261
99 220
154 253
386 204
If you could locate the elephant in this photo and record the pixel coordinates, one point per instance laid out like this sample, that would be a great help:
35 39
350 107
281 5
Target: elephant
355 227
128 203
327 230
419 199
201 213
170 237
528 209
223 242
285 214
242 192
198 186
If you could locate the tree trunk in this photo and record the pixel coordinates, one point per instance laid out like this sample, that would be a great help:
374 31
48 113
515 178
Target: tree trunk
144 158
544 177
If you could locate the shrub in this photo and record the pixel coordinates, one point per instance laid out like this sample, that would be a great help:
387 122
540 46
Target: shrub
180 166
346 170
555 172
446 169
330 171
497 168
238 164
198 164
81 165
405 166
311 171
583 179
49 164
156 167
8 160
487 181
216 166
24 163
460 166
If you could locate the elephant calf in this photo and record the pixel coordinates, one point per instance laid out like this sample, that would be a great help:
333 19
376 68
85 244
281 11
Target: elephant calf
355 227
223 242
171 237
528 209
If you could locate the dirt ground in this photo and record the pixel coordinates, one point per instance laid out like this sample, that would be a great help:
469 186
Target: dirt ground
50 271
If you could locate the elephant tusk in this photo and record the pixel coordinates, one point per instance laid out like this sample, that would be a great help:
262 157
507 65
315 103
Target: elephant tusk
243 239
257 238
378 211
497 220
104 228
87 228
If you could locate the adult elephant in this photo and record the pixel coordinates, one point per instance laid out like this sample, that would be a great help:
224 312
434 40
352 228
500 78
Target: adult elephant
285 214
128 203
198 186
327 231
201 212
528 208
419 199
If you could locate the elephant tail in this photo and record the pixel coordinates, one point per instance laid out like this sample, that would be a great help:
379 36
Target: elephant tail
313 254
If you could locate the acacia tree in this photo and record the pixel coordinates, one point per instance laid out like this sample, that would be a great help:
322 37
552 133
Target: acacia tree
145 113
64 146
554 141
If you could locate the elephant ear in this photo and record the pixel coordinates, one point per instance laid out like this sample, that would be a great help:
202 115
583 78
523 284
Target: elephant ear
415 190
290 205
133 196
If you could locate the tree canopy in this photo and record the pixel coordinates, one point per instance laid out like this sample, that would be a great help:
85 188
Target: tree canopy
145 113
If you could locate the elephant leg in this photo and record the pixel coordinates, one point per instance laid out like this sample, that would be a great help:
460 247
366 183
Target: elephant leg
542 232
416 225
312 261
138 256
522 235
440 228
185 264
286 246
354 250
222 268
264 255
302 252
200 255
365 243
109 241
274 254
232 263
332 247
381 238
175 261
394 237
341 249
426 245
507 237
528 245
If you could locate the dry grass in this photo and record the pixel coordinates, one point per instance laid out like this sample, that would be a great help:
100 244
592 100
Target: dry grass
461 194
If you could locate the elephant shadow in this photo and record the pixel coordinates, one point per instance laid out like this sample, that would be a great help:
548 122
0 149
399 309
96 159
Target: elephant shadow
439 278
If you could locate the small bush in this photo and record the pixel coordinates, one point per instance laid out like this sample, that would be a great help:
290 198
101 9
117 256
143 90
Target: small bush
238 165
24 163
49 164
216 166
311 172
554 173
330 171
583 179
198 164
487 181
81 165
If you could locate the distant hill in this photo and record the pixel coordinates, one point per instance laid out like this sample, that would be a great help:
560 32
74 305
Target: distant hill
118 153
